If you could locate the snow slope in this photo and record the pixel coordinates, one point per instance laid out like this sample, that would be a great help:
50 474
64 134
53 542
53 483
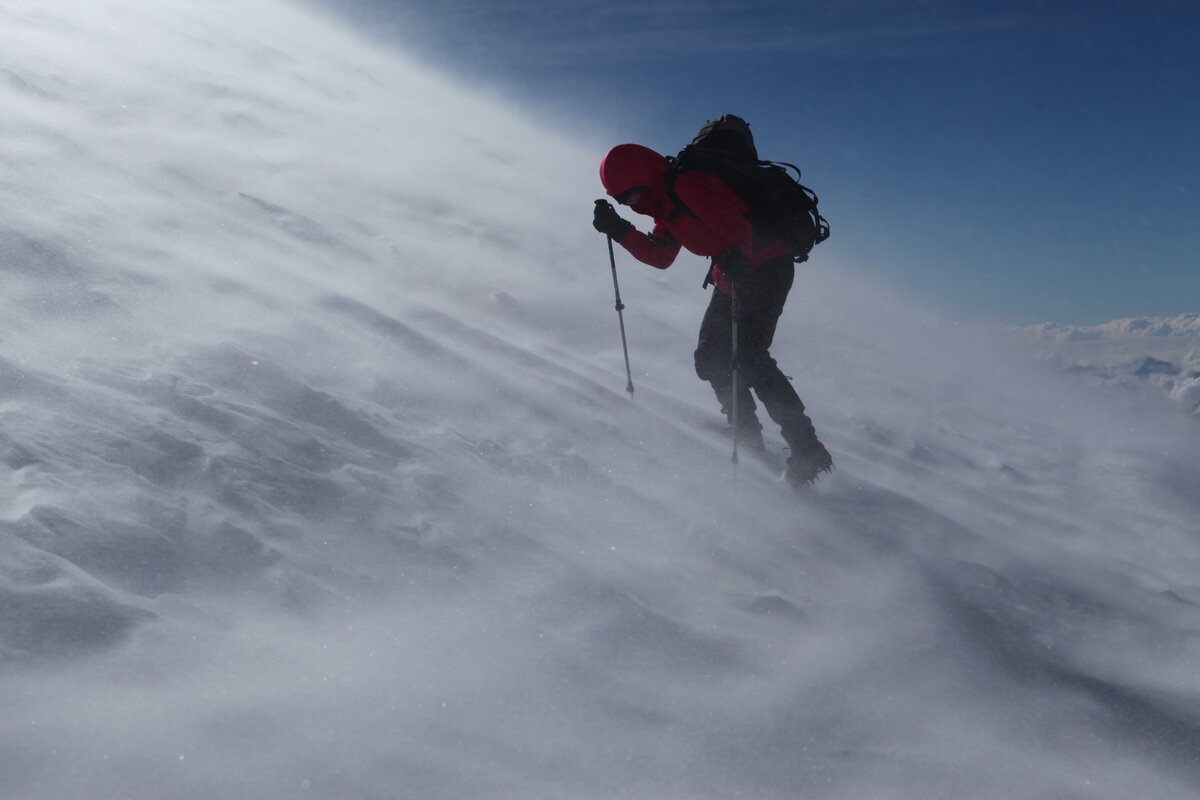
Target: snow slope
319 478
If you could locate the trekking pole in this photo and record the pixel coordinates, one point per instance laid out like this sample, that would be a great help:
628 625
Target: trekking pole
733 403
612 259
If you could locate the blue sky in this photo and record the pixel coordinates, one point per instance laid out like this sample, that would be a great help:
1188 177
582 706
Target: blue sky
1017 162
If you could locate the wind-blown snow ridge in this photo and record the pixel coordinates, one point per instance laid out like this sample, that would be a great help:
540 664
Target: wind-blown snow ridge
318 476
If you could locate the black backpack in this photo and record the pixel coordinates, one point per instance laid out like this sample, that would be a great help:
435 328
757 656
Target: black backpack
781 207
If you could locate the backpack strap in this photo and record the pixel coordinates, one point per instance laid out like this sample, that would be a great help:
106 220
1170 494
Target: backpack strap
821 223
681 208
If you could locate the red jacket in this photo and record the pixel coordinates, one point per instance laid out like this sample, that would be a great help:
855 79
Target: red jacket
703 215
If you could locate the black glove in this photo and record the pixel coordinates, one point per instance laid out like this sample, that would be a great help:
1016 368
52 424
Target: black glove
734 264
606 220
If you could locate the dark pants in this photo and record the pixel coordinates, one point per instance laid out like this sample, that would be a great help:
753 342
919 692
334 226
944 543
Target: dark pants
760 299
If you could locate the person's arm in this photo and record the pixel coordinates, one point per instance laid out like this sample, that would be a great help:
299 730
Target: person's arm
658 249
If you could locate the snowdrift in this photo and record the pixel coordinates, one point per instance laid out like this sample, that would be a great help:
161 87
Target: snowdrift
318 476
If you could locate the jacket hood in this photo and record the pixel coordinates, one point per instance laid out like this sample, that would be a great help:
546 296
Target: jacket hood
629 166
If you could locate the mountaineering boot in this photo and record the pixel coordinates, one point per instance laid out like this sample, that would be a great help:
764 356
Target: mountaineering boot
803 468
749 429
749 435
809 458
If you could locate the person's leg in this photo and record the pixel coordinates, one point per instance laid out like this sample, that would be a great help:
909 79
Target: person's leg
761 298
714 364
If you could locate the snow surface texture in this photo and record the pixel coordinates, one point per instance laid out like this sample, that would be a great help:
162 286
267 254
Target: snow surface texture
319 478
1136 352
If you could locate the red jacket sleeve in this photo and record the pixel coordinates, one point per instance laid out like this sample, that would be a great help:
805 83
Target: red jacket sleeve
658 249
